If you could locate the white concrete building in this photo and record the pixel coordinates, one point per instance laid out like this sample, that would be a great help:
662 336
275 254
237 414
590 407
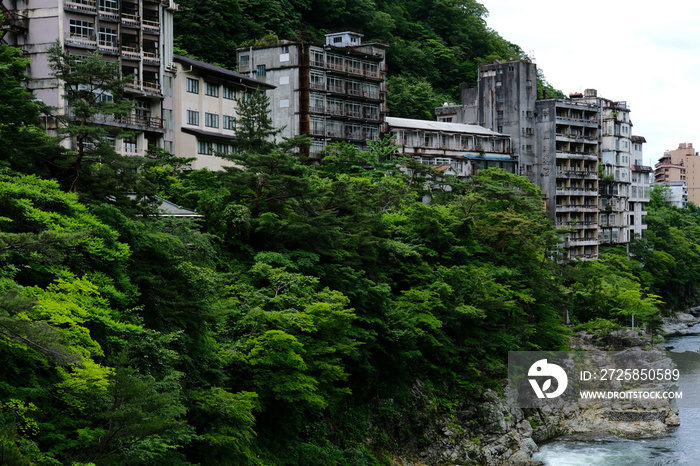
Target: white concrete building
640 188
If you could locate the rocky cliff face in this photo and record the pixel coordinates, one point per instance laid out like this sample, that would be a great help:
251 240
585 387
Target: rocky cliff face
496 432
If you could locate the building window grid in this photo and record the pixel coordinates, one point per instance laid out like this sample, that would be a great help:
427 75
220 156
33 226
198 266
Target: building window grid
211 89
229 93
193 85
80 29
229 122
211 120
192 117
108 37
204 147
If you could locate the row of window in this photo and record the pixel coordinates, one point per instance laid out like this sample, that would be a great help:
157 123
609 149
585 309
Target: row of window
211 89
211 120
210 148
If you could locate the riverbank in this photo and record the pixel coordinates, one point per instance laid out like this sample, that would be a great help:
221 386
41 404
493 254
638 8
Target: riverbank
682 323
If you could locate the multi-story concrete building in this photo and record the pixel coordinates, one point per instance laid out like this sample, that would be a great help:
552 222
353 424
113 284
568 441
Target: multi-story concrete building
457 149
205 113
615 164
676 194
555 142
577 150
682 164
640 189
136 33
332 92
504 101
567 162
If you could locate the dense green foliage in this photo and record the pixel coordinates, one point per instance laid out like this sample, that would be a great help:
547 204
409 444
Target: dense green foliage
433 45
314 315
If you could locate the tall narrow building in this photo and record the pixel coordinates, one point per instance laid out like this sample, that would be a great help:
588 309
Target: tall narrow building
137 33
332 92
640 189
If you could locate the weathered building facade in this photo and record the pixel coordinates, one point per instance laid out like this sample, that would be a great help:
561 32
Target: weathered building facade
136 33
458 149
334 92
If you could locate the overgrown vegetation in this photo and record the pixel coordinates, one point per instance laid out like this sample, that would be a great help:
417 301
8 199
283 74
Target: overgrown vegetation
295 321
433 45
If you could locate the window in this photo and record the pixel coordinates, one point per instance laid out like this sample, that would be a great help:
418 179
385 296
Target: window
211 89
108 37
129 146
229 122
82 29
337 40
244 60
193 85
222 148
499 98
499 113
261 71
192 118
211 120
317 80
204 147
109 5
229 93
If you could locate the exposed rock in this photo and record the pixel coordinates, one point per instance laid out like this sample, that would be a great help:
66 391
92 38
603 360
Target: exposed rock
682 323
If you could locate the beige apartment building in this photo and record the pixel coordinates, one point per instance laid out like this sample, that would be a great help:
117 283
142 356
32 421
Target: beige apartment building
205 113
681 165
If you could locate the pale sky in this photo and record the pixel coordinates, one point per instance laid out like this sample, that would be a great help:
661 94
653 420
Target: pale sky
647 54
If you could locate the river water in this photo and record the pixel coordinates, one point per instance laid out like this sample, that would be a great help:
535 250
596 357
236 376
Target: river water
680 446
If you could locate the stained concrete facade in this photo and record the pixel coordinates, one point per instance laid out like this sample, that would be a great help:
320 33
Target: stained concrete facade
136 33
332 92
457 149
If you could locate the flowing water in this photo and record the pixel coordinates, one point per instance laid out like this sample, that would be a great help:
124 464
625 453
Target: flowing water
680 446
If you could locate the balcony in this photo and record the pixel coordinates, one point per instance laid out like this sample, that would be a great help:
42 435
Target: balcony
83 6
131 20
151 26
143 86
108 48
316 86
131 53
566 191
132 121
108 14
151 58
577 208
585 174
335 66
573 242
592 156
80 40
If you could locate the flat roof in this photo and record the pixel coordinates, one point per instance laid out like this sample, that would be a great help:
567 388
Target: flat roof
429 125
